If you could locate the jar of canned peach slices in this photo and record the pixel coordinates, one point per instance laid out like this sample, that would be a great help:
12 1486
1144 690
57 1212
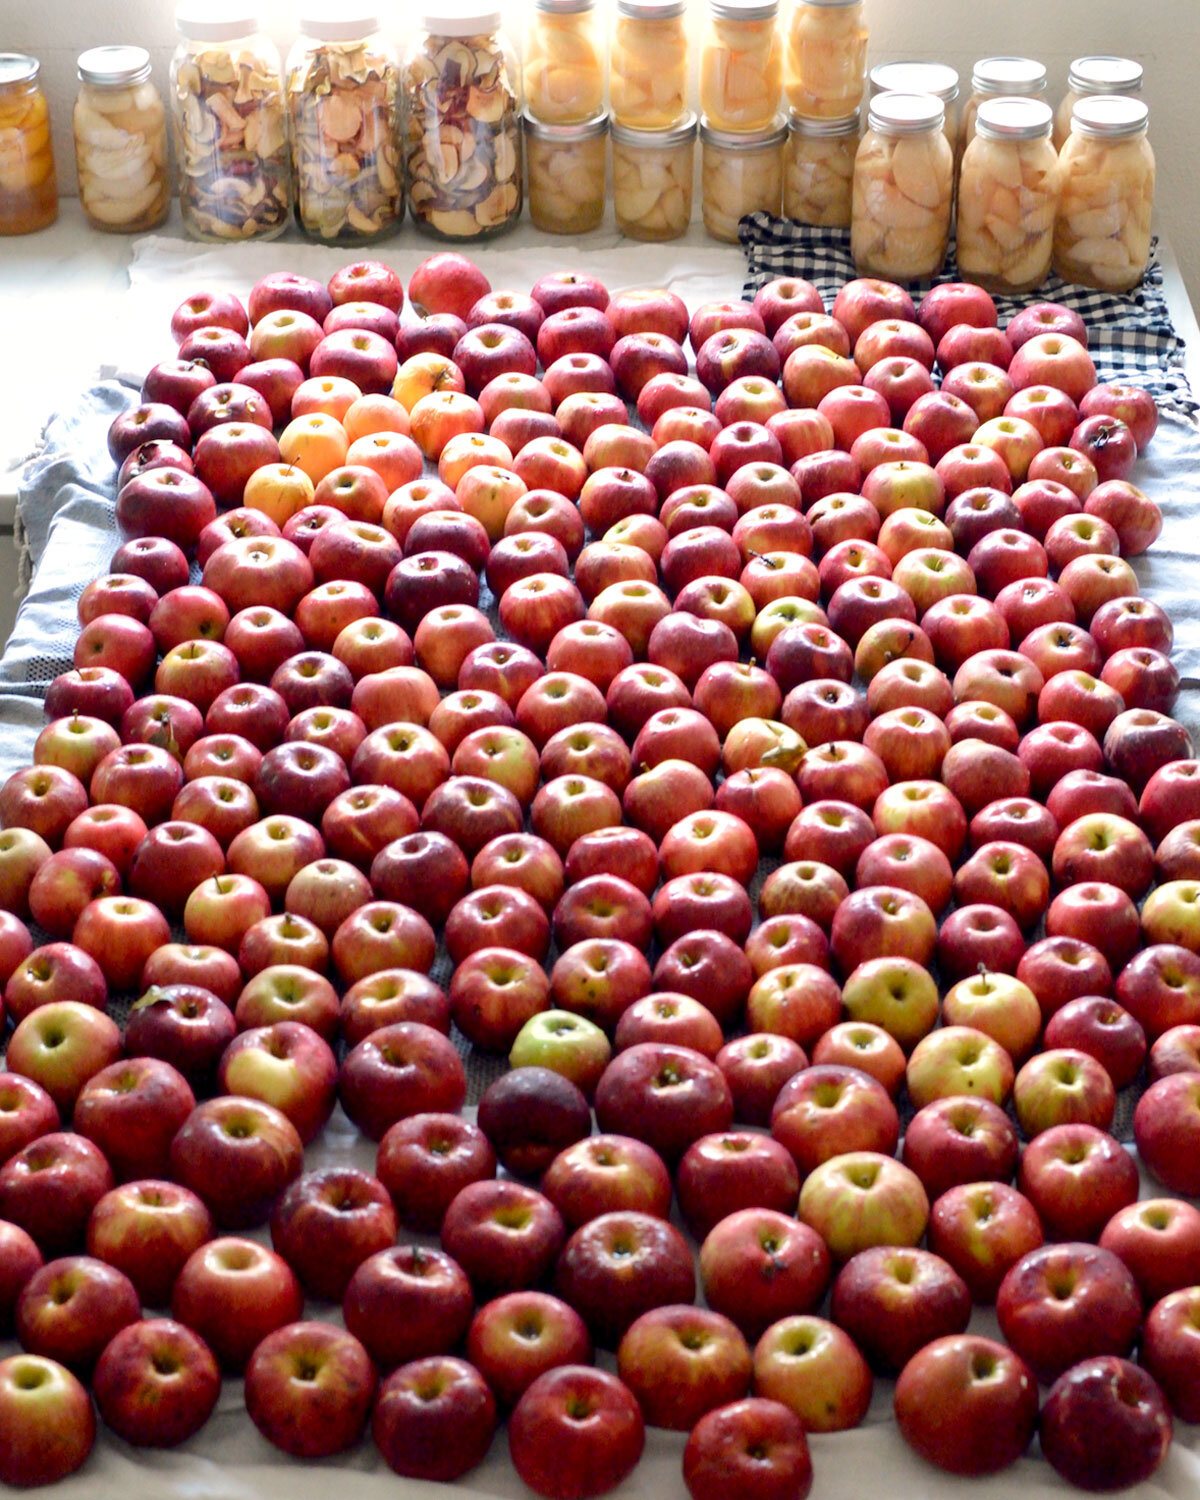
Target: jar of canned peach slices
1102 234
1008 196
231 146
996 78
825 58
120 141
818 170
652 180
462 99
739 174
568 174
1095 75
28 186
741 65
565 62
648 70
903 189
938 79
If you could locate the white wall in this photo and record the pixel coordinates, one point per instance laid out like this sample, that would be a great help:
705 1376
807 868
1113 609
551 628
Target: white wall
1164 34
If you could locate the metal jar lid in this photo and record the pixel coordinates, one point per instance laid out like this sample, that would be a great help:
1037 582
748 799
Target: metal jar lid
651 10
677 135
214 21
905 114
743 10
565 135
16 67
831 4
1105 75
736 140
938 79
564 7
113 67
1110 117
1014 119
818 130
1009 75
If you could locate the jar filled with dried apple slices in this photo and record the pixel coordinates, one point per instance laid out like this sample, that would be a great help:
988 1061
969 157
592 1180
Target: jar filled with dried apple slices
120 141
231 145
648 71
825 58
1094 75
739 174
741 64
938 79
818 170
1000 78
565 62
652 180
1008 196
568 174
1102 233
343 83
903 189
28 186
462 105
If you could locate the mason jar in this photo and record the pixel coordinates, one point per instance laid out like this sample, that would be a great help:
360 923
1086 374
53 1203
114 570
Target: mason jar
739 174
1102 234
648 70
825 58
903 189
28 185
120 129
1008 193
565 62
1094 75
652 180
938 79
1000 77
818 170
568 174
741 64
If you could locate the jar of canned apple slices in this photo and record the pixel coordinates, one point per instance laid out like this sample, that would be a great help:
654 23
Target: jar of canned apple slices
739 174
231 145
648 71
741 65
28 186
1000 77
565 62
120 141
652 180
825 58
463 124
1095 75
568 174
1008 196
818 170
938 79
1102 234
903 188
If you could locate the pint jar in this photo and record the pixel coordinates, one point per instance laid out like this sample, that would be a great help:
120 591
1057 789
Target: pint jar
648 71
741 65
739 174
120 130
652 180
825 58
28 186
564 62
568 174
818 170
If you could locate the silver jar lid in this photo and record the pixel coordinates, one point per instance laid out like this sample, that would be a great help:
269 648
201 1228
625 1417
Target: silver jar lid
1105 75
564 7
905 114
824 130
113 67
651 10
565 135
677 135
832 4
743 10
1009 75
1014 119
738 140
17 67
1110 117
938 79
214 21
338 21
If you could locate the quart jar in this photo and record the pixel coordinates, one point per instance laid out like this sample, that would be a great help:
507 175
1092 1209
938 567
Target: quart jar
462 147
231 145
741 65
1000 77
28 186
120 141
648 70
825 58
818 170
1102 234
652 180
903 188
1008 196
739 174
568 174
1094 75
564 62
938 79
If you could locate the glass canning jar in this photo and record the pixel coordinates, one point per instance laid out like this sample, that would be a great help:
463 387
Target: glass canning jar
1000 77
565 62
28 186
1008 196
825 58
938 79
120 141
1102 234
818 170
903 189
463 124
1094 75
652 180
648 70
231 145
568 174
740 173
741 64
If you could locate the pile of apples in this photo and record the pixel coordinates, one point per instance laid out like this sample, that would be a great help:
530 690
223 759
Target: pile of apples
813 616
